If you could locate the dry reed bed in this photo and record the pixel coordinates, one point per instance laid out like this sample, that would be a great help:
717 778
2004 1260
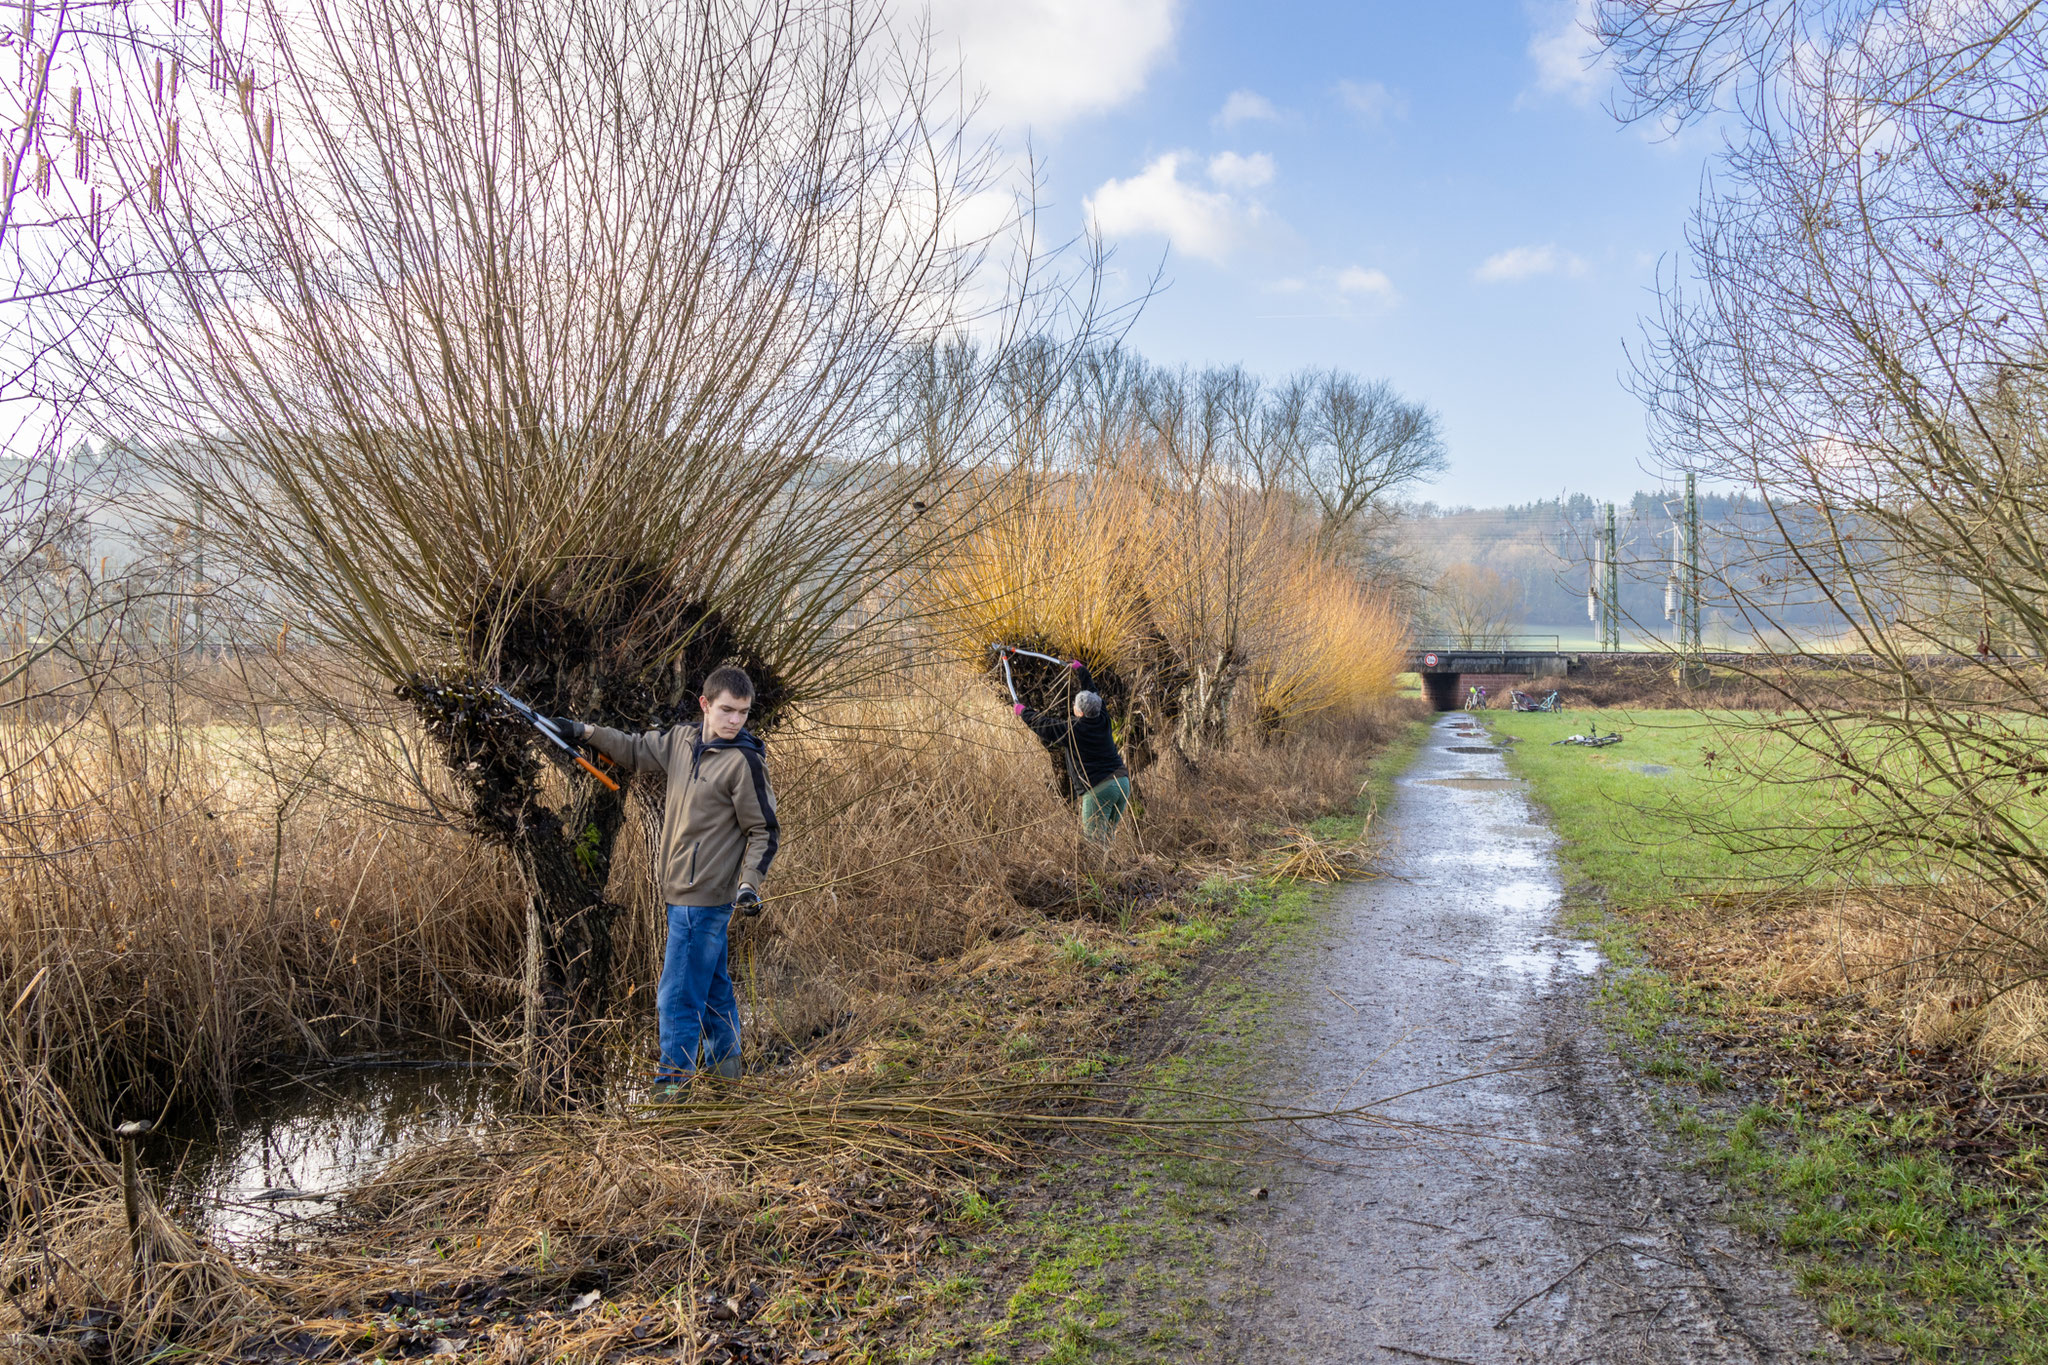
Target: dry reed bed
916 822
170 918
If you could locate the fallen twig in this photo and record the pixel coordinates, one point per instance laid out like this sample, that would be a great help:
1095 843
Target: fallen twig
1533 1295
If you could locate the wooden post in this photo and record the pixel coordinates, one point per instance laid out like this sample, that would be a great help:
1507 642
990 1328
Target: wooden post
131 1193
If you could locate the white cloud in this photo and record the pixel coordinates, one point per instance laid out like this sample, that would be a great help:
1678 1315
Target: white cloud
1373 284
1356 293
1567 55
1234 172
1372 101
1526 262
1045 62
1210 225
1245 106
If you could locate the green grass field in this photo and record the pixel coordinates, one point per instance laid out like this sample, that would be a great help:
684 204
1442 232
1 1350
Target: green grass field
1652 817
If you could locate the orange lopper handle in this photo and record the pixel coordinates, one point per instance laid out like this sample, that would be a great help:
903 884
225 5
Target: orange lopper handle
591 768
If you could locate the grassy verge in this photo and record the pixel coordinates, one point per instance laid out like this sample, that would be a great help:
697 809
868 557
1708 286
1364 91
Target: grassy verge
1909 1186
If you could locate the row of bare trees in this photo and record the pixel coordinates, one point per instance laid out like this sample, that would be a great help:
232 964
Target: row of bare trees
1342 445
1859 335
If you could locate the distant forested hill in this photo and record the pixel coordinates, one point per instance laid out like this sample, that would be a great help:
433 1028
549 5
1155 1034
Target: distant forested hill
1544 549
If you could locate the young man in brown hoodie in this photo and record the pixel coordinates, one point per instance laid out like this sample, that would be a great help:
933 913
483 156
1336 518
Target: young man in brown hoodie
718 836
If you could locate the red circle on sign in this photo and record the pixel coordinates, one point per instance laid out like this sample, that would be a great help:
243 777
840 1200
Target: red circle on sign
1429 660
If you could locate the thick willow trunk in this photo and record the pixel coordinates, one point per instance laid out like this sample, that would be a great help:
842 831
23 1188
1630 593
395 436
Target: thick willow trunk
569 954
1205 705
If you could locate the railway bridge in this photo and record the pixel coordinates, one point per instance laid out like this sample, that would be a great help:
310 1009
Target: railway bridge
1442 664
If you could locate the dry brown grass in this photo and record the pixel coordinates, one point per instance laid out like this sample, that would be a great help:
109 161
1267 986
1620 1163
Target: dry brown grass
937 909
172 915
1936 967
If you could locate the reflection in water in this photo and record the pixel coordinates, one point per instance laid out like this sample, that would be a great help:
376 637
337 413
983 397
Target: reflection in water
280 1157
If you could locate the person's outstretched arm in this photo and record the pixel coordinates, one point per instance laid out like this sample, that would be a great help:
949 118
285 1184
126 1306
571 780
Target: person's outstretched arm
636 753
1049 729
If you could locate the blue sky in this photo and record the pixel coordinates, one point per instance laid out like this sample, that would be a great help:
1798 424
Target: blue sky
1429 192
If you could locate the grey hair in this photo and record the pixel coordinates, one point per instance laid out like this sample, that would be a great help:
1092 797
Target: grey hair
1087 704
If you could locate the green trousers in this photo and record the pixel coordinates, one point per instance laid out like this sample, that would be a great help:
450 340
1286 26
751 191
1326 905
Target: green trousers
1104 805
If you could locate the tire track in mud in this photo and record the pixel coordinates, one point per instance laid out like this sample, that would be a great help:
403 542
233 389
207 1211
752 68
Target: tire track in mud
1565 1232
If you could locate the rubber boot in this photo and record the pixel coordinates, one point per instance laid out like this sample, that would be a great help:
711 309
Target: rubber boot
727 1069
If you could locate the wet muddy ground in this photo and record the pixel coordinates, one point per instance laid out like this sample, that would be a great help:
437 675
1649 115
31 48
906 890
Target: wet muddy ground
1529 1211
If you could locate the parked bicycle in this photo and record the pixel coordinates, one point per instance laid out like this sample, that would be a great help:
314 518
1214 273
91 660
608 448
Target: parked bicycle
1475 698
1522 701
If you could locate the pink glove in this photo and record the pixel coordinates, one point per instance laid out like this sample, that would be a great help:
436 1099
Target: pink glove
1074 663
1018 708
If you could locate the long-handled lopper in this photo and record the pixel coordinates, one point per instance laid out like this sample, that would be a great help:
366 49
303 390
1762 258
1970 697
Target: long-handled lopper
539 722
1003 653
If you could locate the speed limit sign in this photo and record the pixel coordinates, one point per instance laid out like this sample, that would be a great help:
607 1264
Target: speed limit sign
1429 661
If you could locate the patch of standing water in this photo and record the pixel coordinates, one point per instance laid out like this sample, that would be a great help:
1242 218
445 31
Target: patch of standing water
252 1175
1573 955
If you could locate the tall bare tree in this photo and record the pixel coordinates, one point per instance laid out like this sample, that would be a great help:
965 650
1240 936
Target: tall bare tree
558 346
1864 344
1363 442
1472 607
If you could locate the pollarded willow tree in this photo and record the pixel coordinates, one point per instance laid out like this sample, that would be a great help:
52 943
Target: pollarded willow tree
553 346
1169 528
1864 344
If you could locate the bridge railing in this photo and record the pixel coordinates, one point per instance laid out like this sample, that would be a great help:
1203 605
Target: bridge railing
1490 644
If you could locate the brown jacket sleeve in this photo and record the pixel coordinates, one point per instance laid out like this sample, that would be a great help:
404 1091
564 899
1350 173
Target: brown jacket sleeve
754 804
642 753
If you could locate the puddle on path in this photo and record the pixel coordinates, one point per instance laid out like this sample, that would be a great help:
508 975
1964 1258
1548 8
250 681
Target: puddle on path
1527 896
1473 749
244 1176
1473 784
1580 958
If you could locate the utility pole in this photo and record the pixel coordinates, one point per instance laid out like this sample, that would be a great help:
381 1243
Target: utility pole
1682 587
1603 587
1692 643
1610 625
1595 576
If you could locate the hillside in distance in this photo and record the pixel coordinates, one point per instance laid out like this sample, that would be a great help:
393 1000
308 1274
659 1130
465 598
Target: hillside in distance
1543 554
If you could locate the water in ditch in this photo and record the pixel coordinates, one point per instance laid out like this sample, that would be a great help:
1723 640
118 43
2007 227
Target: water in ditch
286 1151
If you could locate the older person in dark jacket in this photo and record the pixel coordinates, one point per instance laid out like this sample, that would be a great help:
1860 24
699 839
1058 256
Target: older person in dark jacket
1084 740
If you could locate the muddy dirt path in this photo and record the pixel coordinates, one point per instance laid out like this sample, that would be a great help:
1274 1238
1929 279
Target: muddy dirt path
1575 1236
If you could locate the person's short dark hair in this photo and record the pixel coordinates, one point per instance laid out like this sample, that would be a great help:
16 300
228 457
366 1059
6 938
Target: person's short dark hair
729 681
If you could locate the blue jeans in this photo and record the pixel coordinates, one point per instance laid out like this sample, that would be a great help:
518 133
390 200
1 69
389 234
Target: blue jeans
694 1000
